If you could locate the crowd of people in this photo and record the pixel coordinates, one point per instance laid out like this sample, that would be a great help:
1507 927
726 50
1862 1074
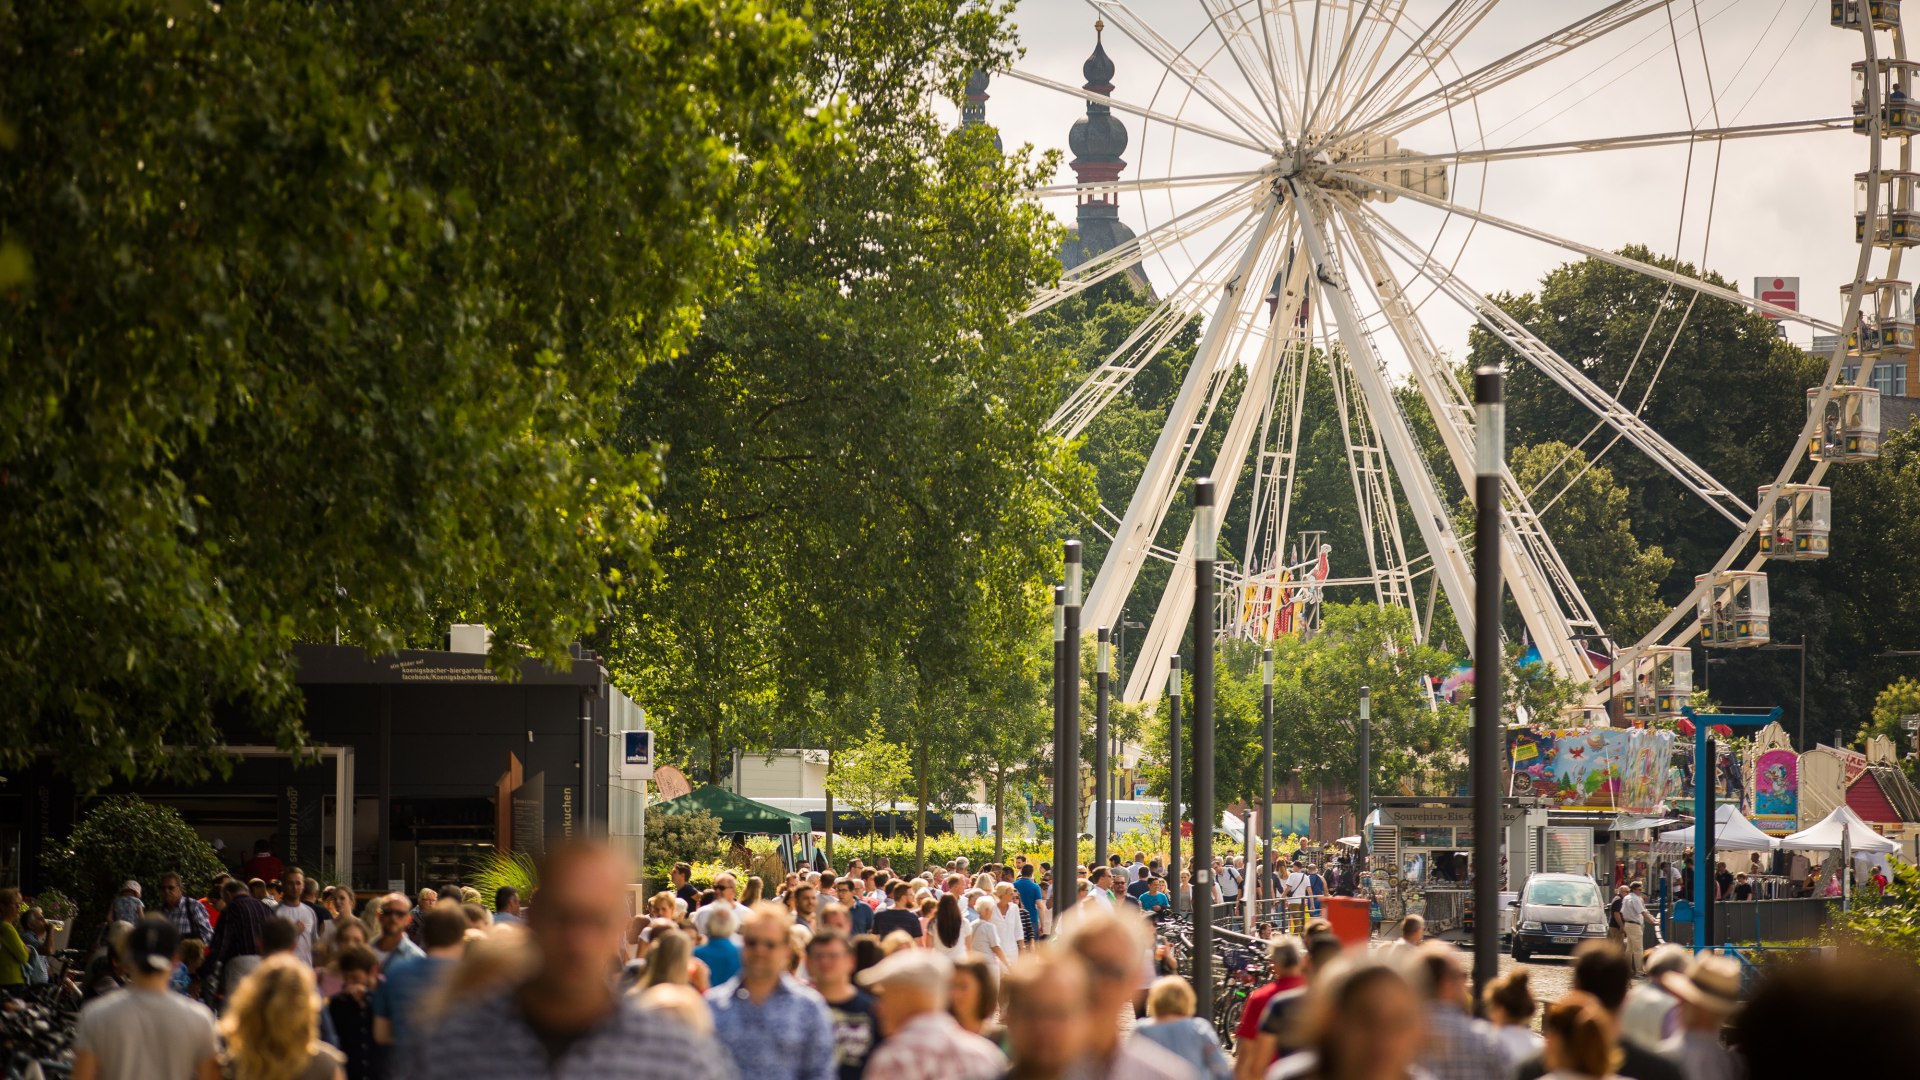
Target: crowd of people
949 973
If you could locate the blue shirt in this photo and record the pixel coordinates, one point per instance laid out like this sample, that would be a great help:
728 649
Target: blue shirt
1029 891
862 917
722 958
399 994
789 1036
1193 1041
1152 900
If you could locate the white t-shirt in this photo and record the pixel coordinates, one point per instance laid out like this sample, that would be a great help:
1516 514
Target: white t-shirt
1633 909
301 916
983 937
1295 884
700 917
1006 924
141 1034
1229 882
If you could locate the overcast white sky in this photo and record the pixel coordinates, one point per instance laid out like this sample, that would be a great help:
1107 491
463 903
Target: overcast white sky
1781 205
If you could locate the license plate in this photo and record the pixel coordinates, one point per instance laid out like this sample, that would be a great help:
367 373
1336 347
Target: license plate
1566 941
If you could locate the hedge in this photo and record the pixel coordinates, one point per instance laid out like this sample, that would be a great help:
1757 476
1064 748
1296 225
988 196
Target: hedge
942 849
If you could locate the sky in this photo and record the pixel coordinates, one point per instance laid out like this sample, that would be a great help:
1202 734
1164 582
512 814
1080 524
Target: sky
1779 205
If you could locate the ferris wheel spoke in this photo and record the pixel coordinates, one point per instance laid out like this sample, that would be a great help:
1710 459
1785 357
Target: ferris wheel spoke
1115 260
1568 376
1142 111
1390 424
1160 326
1193 75
1249 57
1481 80
1360 79
1238 179
1335 82
1619 142
1151 496
1662 274
1548 597
1403 75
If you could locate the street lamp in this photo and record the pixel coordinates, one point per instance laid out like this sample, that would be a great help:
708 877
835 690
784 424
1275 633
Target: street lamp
1067 821
1774 646
1102 796
1490 452
1173 774
1366 767
1262 874
1205 539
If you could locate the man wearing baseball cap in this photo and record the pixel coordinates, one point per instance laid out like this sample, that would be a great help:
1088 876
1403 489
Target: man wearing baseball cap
910 991
146 1032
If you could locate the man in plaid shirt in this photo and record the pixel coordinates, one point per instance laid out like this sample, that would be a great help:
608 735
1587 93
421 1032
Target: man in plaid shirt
186 914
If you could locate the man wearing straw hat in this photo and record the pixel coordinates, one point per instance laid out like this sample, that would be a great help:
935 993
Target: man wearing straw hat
1709 993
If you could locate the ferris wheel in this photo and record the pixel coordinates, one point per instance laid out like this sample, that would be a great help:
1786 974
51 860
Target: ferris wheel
1314 194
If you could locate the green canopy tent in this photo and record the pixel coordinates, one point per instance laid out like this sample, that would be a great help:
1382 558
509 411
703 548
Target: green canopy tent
739 814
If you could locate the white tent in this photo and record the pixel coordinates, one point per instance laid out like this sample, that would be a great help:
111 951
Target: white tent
1731 832
1826 836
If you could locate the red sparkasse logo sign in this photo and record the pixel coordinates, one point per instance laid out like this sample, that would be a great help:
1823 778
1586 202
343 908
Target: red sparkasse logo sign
1778 291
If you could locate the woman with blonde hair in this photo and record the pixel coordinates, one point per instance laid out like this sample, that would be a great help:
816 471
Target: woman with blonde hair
272 1026
671 961
1579 1039
751 894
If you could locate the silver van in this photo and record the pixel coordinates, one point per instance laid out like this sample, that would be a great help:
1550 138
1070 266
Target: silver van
1557 912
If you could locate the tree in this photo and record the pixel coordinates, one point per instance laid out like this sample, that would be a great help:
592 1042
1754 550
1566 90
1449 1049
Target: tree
1595 536
689 837
1898 701
858 470
328 315
1731 396
868 777
127 838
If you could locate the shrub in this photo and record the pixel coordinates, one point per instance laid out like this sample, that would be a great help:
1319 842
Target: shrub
498 869
1890 923
128 837
658 879
672 838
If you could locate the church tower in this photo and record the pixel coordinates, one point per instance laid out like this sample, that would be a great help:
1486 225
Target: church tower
1097 140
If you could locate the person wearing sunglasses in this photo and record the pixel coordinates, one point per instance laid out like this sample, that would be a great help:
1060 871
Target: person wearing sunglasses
726 893
774 1026
394 913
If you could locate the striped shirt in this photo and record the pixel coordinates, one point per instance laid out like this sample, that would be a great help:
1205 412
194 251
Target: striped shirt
492 1038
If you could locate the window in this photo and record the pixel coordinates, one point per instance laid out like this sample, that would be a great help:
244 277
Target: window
1889 377
1564 894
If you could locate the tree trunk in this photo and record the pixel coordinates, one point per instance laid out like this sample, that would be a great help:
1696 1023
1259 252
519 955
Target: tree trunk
829 803
920 827
713 749
1000 813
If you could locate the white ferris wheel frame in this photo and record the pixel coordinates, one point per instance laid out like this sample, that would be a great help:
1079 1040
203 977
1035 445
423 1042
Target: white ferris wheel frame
1304 200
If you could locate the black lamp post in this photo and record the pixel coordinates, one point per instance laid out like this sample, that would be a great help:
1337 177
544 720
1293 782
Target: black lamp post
1205 537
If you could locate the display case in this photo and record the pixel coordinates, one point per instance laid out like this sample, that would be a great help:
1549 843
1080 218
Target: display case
1733 609
1671 681
1896 221
1895 80
1846 13
1886 318
1795 522
1849 428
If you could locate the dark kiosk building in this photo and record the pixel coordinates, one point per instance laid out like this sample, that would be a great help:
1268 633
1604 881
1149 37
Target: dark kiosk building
444 761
